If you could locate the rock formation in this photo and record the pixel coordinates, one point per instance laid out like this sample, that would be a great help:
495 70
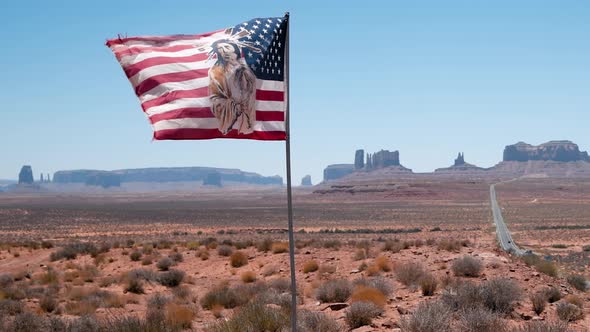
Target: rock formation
359 159
460 166
212 179
26 175
172 174
383 158
460 159
333 172
103 179
306 180
564 151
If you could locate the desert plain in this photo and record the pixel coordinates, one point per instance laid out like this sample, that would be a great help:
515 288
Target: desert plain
414 254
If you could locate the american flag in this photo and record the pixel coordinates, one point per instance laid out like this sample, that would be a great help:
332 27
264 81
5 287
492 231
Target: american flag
228 83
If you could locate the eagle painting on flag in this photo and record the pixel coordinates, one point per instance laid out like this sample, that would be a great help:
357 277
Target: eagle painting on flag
228 83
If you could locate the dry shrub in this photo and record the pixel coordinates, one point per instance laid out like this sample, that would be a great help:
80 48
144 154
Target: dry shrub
360 254
578 282
539 301
49 277
48 303
211 245
311 321
88 273
467 266
361 314
147 260
552 294
539 326
383 263
238 259
171 278
547 267
479 319
368 294
568 312
409 273
269 270
280 247
81 308
428 317
338 290
451 245
327 269
264 245
332 244
27 322
497 295
224 250
176 257
380 283
135 255
255 316
223 296
575 300
203 254
428 284
280 284
10 307
179 315
373 270
134 286
248 276
164 264
394 246
310 266
100 259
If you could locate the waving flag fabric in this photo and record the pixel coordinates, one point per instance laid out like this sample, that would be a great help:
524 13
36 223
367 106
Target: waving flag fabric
228 83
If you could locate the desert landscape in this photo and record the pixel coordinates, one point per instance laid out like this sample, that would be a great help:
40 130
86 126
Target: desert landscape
410 254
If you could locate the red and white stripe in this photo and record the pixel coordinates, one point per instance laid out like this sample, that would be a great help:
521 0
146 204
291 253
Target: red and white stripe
170 77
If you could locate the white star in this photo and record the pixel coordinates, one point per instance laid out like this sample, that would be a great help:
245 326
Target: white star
258 60
257 43
267 25
245 24
267 70
279 44
275 30
269 20
279 71
252 31
280 30
278 25
273 71
250 54
255 26
279 57
280 20
264 30
261 36
273 57
257 21
249 37
254 68
276 64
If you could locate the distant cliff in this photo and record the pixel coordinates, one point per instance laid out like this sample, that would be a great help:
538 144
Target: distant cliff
171 174
564 151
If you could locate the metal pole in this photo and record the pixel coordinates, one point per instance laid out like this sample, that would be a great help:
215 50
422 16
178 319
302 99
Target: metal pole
289 194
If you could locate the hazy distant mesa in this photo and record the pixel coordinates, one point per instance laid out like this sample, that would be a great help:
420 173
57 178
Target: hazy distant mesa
551 159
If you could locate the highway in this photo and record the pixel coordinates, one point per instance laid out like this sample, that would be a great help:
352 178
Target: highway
502 232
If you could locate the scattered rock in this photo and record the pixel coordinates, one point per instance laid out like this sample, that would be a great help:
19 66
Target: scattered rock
336 306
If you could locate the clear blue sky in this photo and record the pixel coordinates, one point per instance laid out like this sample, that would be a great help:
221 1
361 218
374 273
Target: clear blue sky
428 78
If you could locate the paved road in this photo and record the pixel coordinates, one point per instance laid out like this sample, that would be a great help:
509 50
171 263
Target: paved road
502 232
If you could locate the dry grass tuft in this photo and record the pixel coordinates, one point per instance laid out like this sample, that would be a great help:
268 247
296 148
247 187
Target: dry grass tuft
238 259
179 316
280 247
248 276
428 317
368 294
361 314
310 266
338 290
467 266
409 273
383 263
428 284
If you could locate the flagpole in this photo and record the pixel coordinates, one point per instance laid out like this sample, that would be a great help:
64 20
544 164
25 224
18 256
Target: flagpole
289 193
